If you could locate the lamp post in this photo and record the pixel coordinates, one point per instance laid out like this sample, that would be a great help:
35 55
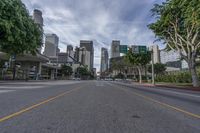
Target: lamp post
13 59
57 67
152 63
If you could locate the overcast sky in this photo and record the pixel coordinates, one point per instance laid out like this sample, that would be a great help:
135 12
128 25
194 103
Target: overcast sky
99 20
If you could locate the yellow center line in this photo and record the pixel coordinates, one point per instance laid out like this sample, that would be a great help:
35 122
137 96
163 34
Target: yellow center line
161 103
36 105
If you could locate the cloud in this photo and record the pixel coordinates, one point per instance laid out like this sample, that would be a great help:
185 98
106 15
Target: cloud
97 20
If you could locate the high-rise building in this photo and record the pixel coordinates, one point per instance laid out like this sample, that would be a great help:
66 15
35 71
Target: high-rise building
69 48
38 19
70 53
87 53
104 60
169 56
51 45
85 57
115 49
172 59
76 54
156 53
95 72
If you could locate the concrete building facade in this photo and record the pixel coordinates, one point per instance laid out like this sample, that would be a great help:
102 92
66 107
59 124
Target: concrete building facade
172 59
104 60
69 48
51 45
169 56
38 19
156 53
76 54
115 46
85 58
86 54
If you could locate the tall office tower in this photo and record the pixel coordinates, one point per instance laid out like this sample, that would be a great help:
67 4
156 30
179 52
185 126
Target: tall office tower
70 53
95 72
104 60
69 48
51 45
89 53
115 49
85 57
156 53
76 54
38 19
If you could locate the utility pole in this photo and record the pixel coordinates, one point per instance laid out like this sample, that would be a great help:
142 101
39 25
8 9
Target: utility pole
153 75
13 58
56 68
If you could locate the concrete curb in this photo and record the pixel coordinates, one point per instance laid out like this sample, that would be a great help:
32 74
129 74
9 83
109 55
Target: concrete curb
169 86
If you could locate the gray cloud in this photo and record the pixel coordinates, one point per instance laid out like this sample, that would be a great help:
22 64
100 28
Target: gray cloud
97 20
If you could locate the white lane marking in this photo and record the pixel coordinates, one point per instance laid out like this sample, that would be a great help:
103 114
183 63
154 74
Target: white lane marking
5 91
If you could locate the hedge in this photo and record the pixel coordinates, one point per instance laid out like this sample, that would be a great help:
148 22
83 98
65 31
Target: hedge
177 77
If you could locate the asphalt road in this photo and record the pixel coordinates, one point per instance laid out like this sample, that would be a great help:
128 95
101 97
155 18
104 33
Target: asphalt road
96 107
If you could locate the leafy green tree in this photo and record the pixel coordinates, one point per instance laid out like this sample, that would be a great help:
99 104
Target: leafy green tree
158 68
120 64
66 70
19 34
83 71
178 25
139 61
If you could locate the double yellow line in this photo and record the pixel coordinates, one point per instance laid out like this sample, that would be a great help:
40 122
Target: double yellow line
161 103
36 105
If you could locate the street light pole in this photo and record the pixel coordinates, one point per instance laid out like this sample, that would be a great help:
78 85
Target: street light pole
153 75
56 68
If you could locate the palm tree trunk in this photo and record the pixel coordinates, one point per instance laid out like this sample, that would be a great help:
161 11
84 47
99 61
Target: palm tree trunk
140 74
192 68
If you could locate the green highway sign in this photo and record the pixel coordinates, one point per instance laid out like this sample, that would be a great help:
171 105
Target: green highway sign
135 49
139 49
143 49
123 49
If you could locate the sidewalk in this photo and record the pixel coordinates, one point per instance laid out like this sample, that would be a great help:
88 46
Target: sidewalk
19 81
168 86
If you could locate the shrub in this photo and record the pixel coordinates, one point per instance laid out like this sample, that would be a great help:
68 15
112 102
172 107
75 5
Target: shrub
178 77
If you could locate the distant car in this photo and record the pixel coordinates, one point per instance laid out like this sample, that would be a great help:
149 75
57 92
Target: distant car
118 79
76 79
108 79
129 79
